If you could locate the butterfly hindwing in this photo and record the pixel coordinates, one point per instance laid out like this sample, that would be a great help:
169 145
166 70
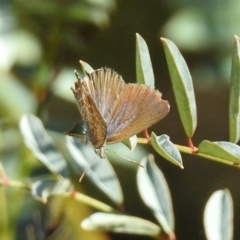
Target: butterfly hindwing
137 108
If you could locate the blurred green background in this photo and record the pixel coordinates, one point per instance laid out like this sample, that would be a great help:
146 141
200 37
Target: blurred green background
41 43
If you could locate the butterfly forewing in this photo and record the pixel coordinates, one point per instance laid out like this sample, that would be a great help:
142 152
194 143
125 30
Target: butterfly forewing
137 108
77 90
105 87
97 124
89 113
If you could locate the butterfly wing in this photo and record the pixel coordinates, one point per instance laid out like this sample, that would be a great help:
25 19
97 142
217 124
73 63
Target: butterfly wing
105 86
90 114
137 108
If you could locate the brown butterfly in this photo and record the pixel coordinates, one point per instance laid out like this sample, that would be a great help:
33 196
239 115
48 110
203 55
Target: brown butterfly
112 110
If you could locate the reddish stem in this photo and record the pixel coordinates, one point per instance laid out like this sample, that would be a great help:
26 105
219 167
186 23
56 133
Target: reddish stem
146 135
170 236
191 145
4 177
121 209
73 193
236 164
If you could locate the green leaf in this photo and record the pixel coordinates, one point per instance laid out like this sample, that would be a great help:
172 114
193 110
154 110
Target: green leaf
43 189
223 150
144 69
218 216
15 98
61 85
86 67
166 149
101 174
42 146
234 104
120 224
83 13
131 142
182 86
154 191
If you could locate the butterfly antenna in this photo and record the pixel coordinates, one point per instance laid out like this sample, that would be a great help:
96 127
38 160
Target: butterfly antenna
83 174
129 160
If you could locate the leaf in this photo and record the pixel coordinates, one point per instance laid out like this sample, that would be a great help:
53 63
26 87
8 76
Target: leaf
100 173
154 191
234 104
93 14
86 67
144 69
43 189
182 86
61 85
120 224
15 98
223 150
131 142
166 149
41 145
218 216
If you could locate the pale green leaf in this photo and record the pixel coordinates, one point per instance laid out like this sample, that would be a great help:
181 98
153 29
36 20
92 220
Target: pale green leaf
131 142
120 224
43 189
166 149
42 146
218 216
101 173
182 86
234 104
154 191
144 69
225 151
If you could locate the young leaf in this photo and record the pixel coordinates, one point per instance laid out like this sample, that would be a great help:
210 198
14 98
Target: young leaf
234 104
166 149
86 67
43 189
61 85
100 173
182 86
154 191
144 69
131 142
218 216
222 150
41 145
120 224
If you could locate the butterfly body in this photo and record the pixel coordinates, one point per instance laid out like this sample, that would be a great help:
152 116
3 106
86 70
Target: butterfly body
113 110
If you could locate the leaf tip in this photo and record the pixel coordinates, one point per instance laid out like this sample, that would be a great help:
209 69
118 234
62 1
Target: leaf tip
235 36
163 39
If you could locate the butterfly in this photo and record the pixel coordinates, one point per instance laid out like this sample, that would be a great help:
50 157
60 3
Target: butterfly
111 110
